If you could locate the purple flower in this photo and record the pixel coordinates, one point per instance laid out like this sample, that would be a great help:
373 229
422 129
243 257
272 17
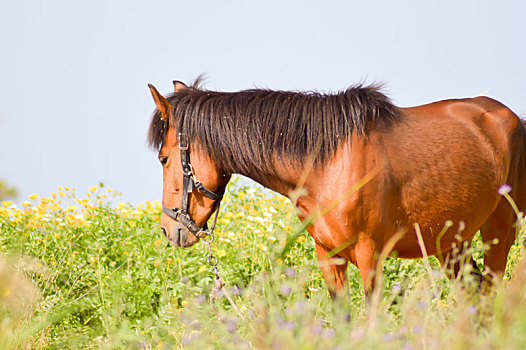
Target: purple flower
289 271
317 329
389 337
407 346
504 189
472 310
289 325
285 290
418 329
231 327
328 333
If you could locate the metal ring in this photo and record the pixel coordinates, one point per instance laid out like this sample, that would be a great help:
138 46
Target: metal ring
216 261
205 240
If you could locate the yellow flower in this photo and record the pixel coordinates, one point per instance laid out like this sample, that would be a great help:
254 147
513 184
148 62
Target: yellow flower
7 203
220 253
26 204
301 239
202 269
157 242
156 263
93 189
34 196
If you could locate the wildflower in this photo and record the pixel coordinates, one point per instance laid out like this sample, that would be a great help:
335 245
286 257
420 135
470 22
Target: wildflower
220 253
26 204
202 269
290 272
472 310
71 208
504 189
6 204
301 239
156 263
93 189
231 327
397 288
328 333
422 305
285 290
34 196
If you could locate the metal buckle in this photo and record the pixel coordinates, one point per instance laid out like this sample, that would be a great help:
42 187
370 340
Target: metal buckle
183 142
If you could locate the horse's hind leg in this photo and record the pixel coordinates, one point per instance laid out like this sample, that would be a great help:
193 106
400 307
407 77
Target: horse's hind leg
499 233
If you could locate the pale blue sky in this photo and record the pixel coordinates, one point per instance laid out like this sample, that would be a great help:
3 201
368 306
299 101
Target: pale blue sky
74 104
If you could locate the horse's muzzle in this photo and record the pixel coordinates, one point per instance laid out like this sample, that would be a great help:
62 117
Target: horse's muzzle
178 235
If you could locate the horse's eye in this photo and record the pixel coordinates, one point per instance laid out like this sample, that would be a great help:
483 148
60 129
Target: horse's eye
163 160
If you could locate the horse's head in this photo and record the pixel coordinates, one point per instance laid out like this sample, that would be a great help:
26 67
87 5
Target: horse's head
193 183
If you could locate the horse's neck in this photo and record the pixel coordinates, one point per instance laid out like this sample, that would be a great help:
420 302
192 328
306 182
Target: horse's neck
285 180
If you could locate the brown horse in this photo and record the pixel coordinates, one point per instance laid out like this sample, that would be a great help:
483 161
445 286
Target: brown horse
429 165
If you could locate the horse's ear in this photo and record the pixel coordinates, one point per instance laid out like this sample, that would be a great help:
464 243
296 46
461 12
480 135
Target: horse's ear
179 85
162 104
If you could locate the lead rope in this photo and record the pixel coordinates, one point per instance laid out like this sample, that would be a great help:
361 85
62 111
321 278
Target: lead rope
219 284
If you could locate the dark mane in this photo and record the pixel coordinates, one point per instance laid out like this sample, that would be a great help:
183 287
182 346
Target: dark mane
248 131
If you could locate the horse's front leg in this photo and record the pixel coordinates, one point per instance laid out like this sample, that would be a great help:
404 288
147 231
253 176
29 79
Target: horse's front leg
366 261
334 272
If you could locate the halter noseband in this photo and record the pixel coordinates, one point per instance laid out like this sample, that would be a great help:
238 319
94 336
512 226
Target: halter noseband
189 182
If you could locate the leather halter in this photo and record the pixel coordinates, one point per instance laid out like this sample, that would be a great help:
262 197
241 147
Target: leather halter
181 215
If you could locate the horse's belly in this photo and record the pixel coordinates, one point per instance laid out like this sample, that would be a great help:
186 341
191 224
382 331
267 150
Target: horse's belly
446 218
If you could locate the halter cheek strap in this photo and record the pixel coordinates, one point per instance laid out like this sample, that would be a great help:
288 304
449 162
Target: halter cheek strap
181 215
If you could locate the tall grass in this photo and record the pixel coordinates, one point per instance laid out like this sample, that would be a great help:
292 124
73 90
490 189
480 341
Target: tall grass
95 273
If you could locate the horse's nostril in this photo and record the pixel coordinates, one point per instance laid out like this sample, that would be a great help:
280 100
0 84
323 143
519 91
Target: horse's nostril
163 230
181 237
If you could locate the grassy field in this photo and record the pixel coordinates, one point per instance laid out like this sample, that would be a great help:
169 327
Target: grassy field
95 273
